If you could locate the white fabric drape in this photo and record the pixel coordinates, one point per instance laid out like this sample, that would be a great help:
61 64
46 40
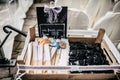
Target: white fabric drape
25 4
6 20
111 23
96 9
62 2
77 4
14 18
116 8
77 19
118 46
93 14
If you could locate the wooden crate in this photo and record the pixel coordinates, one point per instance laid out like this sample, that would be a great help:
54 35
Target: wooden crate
75 36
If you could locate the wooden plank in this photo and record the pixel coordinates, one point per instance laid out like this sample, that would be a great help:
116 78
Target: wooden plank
64 53
82 76
29 55
35 56
81 39
112 48
47 54
100 35
32 33
40 57
53 55
58 56
30 37
47 57
21 57
70 76
64 57
108 53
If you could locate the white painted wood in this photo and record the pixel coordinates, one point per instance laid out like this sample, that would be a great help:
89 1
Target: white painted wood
82 33
47 57
110 22
64 57
46 52
25 4
40 57
53 55
29 55
35 56
96 9
118 46
22 56
116 8
112 48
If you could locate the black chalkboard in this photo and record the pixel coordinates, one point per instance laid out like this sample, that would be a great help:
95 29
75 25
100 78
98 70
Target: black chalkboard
52 21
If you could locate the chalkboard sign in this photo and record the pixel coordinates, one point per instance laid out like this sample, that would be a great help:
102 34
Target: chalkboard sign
52 21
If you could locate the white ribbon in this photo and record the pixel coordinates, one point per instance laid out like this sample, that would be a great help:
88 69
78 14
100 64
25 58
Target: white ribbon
52 13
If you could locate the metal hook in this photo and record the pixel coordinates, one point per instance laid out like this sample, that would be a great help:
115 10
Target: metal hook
14 29
9 32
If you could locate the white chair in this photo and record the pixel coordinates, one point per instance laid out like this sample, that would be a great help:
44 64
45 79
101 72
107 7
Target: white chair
118 46
116 8
96 9
8 18
15 19
77 4
77 19
111 23
25 4
62 3
8 46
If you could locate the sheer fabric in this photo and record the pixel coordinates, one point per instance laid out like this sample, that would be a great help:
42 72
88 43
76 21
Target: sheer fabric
13 16
93 9
111 23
